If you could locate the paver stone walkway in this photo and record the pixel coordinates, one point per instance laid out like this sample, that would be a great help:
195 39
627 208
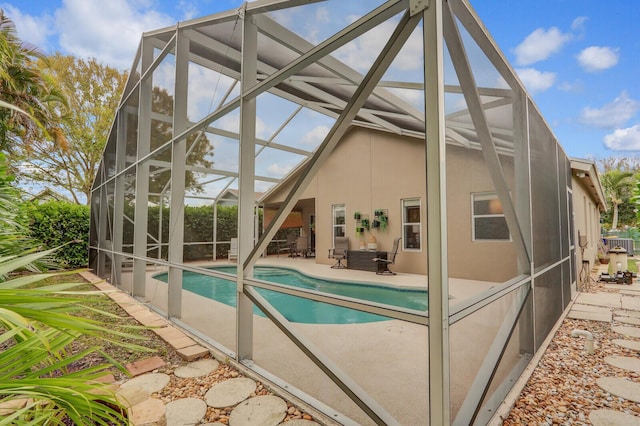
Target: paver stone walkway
613 418
185 411
267 410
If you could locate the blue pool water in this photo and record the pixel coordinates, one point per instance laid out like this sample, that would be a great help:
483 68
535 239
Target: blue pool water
297 309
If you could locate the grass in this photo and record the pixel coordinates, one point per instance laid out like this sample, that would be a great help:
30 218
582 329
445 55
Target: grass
123 322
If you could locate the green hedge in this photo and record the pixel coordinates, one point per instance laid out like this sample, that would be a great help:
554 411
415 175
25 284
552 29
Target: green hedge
198 228
55 224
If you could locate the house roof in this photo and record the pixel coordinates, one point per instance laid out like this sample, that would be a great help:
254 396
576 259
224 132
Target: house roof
587 173
48 194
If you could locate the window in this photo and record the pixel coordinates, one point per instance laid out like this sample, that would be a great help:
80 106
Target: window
489 223
339 222
411 224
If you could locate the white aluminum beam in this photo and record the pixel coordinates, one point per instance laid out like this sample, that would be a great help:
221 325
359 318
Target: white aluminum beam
470 408
437 264
474 103
118 200
349 33
178 158
142 174
358 395
383 61
339 128
246 193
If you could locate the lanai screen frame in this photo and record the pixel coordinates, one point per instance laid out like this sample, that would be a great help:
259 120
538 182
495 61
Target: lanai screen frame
108 253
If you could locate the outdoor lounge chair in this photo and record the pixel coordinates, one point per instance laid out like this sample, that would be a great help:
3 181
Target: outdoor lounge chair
383 264
232 254
339 252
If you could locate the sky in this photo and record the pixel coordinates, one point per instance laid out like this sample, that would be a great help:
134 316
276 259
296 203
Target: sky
579 59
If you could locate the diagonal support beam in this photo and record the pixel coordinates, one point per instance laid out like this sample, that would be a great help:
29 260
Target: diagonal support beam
397 40
356 29
358 395
471 406
476 110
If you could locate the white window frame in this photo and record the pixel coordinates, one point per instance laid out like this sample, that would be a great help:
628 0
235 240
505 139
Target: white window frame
334 209
482 197
411 202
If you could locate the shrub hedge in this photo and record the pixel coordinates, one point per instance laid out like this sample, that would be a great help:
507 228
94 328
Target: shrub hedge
54 224
57 223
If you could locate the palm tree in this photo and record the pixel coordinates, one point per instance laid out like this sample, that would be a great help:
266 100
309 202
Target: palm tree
25 88
37 328
617 187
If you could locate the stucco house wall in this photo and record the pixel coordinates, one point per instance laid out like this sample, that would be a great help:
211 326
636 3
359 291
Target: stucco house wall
588 204
371 170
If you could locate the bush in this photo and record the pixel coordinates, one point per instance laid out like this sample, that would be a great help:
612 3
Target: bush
55 224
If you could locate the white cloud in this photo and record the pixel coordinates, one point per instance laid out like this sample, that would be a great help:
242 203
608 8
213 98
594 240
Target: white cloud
597 58
31 29
231 123
314 26
614 114
411 96
361 52
279 170
539 45
624 139
536 81
578 23
109 31
189 10
571 87
315 136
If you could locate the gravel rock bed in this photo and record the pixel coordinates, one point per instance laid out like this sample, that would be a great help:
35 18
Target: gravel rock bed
562 389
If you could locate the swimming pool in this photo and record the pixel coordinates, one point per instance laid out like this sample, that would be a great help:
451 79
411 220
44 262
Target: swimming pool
298 309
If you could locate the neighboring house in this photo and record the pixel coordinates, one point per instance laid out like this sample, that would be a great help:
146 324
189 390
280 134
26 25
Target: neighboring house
47 195
229 197
588 204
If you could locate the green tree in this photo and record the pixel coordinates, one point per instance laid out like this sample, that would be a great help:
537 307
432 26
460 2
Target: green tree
93 91
35 99
199 148
617 186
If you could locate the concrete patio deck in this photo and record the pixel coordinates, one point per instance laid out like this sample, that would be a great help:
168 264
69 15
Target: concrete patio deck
388 359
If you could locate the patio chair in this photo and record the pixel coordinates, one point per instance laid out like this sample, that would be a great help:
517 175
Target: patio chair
301 246
383 263
291 243
232 254
339 252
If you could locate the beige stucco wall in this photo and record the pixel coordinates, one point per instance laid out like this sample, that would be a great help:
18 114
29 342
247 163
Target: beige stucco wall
586 221
371 170
480 260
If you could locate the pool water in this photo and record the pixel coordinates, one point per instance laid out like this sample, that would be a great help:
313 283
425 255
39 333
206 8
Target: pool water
297 309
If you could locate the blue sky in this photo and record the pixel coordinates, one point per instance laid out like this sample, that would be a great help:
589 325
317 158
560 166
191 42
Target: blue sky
578 58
